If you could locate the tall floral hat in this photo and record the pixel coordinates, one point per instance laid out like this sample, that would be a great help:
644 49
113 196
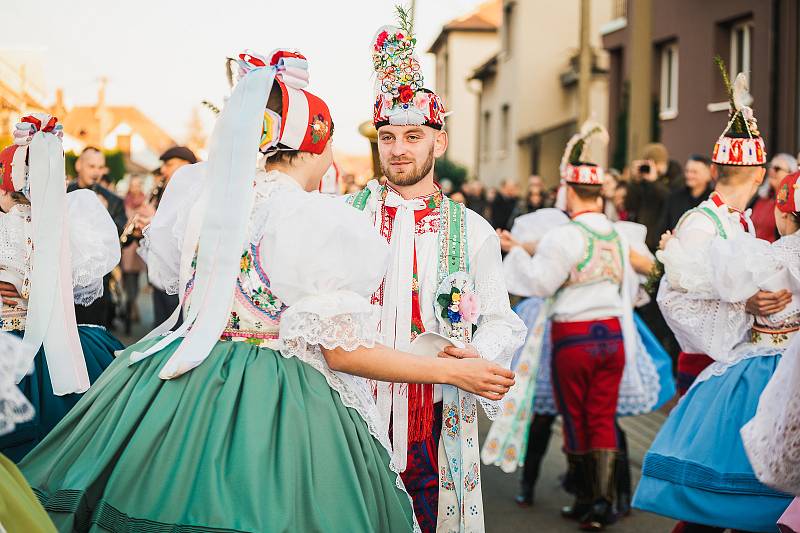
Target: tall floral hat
576 164
401 98
740 143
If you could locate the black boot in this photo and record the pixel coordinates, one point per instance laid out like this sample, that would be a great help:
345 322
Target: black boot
603 491
538 439
623 476
578 469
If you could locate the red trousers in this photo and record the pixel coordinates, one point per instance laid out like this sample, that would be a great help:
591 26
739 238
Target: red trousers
587 365
689 367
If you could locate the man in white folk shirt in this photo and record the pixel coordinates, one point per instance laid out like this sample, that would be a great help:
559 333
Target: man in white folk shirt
445 277
582 265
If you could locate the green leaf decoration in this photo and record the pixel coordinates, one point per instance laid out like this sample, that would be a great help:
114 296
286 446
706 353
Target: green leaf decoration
443 300
404 20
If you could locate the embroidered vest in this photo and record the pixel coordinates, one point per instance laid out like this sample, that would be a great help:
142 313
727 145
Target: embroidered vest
602 259
255 314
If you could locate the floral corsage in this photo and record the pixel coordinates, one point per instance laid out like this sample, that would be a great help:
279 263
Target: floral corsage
458 305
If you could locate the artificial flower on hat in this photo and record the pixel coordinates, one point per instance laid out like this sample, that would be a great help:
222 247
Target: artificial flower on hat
576 164
401 98
740 143
788 197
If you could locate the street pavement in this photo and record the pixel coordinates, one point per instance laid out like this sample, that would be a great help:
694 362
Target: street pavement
504 516
499 488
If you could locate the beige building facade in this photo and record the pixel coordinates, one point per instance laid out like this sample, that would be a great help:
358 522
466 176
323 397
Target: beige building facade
462 44
528 91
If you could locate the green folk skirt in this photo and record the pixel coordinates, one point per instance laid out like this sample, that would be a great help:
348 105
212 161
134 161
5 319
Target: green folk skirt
249 441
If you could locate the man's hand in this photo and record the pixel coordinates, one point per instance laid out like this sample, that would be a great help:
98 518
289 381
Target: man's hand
765 303
468 352
641 263
481 377
507 241
665 238
9 293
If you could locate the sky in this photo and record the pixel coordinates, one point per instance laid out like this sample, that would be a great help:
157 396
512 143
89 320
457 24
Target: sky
166 56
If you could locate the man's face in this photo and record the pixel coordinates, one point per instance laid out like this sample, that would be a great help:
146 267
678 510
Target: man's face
535 183
510 189
407 153
697 174
777 171
170 166
90 167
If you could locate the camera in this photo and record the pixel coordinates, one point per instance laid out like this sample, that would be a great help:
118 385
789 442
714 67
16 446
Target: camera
644 168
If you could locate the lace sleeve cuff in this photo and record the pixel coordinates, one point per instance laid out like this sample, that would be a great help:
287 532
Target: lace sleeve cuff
340 319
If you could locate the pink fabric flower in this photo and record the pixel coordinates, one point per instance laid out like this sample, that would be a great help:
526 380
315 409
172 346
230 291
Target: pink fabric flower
470 307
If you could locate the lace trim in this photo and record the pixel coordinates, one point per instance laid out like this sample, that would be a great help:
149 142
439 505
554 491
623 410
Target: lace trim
86 295
745 351
14 406
171 281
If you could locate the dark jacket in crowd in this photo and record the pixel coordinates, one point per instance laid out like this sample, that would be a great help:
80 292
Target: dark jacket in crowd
646 201
502 209
116 206
678 203
478 204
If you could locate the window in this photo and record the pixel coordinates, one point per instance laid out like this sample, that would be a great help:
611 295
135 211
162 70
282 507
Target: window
508 26
669 82
741 37
505 134
486 134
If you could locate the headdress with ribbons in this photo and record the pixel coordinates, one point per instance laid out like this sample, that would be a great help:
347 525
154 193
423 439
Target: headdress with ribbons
34 165
304 123
401 99
239 134
576 164
740 143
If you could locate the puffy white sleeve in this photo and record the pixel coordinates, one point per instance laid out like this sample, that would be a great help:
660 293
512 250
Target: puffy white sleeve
324 260
163 238
544 273
740 266
94 245
500 331
701 322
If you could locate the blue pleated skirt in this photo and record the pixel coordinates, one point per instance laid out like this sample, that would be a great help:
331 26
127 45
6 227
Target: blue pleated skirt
697 469
98 349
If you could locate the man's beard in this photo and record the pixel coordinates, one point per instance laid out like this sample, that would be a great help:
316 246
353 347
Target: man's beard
408 177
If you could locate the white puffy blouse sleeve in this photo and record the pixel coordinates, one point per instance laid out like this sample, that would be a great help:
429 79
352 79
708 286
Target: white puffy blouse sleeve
701 321
324 260
94 244
163 238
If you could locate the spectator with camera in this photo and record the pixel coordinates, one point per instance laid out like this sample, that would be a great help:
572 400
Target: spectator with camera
653 178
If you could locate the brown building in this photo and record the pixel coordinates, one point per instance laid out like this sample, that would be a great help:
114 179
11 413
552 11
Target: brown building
758 37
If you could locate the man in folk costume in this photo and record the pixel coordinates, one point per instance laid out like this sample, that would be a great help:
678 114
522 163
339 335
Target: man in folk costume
584 266
703 323
446 277
738 159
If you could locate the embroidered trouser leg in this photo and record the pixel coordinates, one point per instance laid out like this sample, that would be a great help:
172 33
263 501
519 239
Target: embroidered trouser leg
421 476
587 365
689 367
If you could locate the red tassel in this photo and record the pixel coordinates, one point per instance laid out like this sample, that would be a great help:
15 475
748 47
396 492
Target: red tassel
420 412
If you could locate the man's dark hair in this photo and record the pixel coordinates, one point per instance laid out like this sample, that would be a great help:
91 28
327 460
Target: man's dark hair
586 192
90 149
700 159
